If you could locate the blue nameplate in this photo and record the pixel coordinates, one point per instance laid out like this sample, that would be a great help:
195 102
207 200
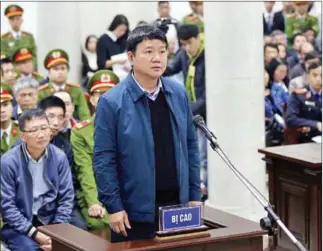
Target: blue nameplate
180 218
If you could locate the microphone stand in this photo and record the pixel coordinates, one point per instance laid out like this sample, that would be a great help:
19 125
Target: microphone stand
266 223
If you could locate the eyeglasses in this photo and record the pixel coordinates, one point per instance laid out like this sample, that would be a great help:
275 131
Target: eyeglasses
36 131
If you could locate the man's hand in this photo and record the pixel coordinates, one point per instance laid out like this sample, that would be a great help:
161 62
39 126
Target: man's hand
195 203
44 241
118 222
96 211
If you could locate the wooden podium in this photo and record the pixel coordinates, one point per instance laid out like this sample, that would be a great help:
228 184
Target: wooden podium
295 188
228 232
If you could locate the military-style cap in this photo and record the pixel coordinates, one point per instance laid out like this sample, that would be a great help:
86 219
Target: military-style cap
21 55
101 81
5 92
301 2
13 10
55 57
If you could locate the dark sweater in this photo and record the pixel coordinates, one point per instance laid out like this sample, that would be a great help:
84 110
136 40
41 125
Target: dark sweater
106 48
165 164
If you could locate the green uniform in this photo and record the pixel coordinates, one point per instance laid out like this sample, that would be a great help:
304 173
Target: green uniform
14 135
9 45
295 24
81 106
194 19
82 141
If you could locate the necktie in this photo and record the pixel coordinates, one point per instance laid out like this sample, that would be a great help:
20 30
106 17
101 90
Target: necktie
269 22
4 140
18 37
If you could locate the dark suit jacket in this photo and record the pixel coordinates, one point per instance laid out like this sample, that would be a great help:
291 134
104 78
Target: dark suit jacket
279 21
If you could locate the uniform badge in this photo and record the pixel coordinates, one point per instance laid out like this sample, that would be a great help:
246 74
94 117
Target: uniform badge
11 44
56 54
23 51
14 132
309 103
105 78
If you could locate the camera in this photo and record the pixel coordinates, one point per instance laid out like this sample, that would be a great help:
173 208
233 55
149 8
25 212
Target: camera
163 24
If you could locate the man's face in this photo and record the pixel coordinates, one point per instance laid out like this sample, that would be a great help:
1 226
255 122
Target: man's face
164 10
306 48
269 6
8 73
55 117
94 99
270 53
199 9
5 111
280 39
36 134
298 42
301 8
68 104
309 62
191 45
193 6
150 58
315 78
25 67
58 73
15 22
27 98
288 7
310 36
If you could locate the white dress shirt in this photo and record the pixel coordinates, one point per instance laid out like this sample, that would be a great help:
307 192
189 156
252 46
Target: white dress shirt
8 131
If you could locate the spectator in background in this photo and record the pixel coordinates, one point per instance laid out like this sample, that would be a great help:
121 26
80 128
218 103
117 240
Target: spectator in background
298 69
271 51
277 70
282 51
311 36
281 16
300 20
8 73
112 43
268 39
141 23
25 91
196 17
89 59
293 54
278 37
302 80
268 17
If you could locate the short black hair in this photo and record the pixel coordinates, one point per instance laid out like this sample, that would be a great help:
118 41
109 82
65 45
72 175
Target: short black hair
297 35
314 66
4 61
30 114
145 32
52 101
310 55
187 31
271 45
162 2
309 29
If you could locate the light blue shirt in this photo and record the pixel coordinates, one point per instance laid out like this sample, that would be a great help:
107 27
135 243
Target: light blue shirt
152 95
40 186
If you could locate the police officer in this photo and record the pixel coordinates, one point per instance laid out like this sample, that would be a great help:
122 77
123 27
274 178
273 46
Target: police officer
82 142
304 109
300 20
196 17
23 60
16 39
57 64
9 129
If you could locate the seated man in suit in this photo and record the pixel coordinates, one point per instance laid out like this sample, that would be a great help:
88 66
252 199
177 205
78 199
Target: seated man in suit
8 73
36 186
25 91
304 108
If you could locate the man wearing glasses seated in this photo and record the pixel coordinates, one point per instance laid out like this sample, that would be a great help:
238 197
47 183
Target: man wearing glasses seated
36 185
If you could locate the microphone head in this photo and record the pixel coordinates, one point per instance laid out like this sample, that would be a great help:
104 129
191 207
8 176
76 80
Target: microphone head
197 119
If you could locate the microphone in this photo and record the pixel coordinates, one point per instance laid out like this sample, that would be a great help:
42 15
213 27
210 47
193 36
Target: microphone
199 122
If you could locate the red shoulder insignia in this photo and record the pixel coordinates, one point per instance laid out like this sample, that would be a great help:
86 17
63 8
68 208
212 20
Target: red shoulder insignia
82 124
73 84
42 87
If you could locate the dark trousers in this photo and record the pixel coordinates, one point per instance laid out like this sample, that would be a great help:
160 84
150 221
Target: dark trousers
141 230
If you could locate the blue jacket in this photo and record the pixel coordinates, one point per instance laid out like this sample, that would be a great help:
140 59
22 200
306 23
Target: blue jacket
124 161
181 63
280 97
17 189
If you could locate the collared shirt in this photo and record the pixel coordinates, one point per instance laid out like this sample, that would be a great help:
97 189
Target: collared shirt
152 95
269 17
16 35
8 131
112 36
58 87
317 94
19 111
40 186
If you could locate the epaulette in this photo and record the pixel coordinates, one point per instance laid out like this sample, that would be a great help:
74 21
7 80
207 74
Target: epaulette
73 84
82 124
312 15
290 15
300 91
35 73
26 33
42 87
16 122
7 34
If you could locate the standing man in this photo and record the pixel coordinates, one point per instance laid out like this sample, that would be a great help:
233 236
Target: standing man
8 128
196 17
82 142
144 136
15 38
23 60
57 64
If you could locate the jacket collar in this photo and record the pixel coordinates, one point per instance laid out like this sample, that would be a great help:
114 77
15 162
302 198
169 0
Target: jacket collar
136 92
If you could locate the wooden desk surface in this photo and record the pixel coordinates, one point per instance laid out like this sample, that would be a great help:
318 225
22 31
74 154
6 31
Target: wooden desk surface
235 228
309 154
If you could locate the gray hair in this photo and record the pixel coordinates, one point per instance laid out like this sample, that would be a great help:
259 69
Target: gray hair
23 83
